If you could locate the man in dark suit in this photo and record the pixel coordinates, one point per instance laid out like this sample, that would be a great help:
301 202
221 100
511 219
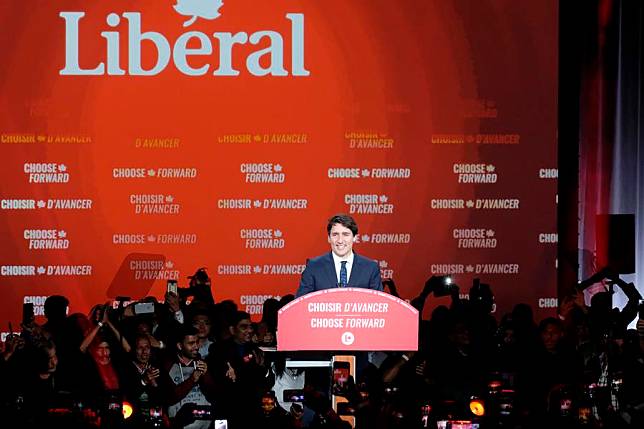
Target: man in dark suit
341 267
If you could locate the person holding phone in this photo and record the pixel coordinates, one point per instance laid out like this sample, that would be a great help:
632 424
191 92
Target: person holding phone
341 267
186 377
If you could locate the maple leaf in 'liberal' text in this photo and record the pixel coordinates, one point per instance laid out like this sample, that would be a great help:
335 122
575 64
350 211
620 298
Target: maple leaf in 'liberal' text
207 9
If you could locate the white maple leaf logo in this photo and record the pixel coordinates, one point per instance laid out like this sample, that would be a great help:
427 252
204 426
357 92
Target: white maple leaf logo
469 268
383 264
383 199
41 138
152 238
62 234
365 173
41 204
469 204
257 203
151 172
62 167
169 264
489 233
490 168
41 270
257 269
278 233
169 198
278 167
207 9
366 238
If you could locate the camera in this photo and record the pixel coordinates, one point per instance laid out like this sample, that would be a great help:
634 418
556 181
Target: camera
172 286
144 308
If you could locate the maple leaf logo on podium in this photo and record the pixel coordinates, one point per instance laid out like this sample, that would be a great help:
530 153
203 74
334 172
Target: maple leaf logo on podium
206 9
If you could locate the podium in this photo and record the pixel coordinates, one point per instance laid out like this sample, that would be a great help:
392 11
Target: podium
345 320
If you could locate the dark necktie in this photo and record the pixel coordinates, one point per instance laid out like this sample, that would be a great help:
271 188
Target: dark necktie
343 274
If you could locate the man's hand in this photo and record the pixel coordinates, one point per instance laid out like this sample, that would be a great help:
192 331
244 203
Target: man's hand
173 301
610 274
150 376
13 343
106 315
297 411
230 373
420 368
154 342
201 368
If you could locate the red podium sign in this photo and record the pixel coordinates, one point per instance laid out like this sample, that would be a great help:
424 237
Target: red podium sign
347 319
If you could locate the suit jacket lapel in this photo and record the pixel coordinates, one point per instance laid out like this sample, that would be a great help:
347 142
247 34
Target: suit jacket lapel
355 270
329 269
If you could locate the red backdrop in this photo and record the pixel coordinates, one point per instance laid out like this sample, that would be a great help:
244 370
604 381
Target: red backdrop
443 95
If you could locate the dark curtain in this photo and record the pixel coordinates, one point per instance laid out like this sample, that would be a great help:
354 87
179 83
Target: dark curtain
610 118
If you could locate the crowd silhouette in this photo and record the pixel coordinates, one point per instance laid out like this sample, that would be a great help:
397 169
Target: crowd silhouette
191 362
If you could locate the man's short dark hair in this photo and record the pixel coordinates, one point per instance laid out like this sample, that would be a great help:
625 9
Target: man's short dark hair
238 317
186 330
343 219
550 321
